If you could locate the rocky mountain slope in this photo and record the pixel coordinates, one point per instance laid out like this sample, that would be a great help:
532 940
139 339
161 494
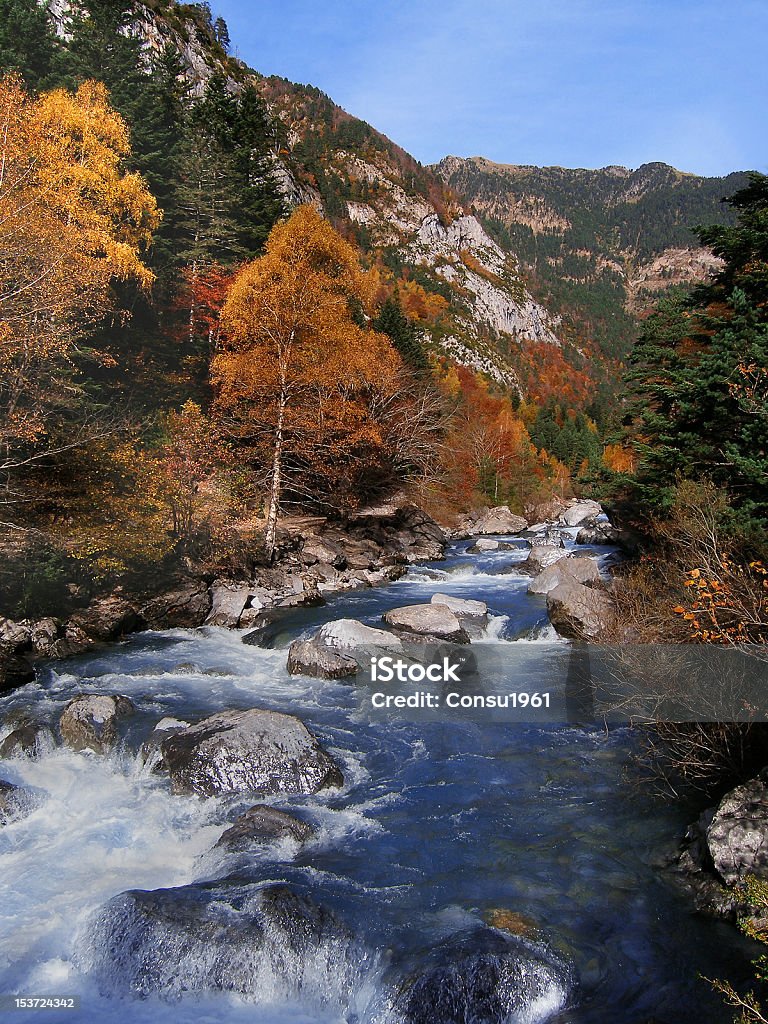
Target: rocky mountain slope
494 261
596 246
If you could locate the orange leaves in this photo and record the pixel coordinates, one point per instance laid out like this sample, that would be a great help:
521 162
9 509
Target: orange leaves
718 611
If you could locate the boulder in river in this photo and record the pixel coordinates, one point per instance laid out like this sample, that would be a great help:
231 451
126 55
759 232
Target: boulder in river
430 620
270 943
186 603
29 739
108 618
500 521
263 824
485 976
482 545
251 751
349 634
565 570
89 722
462 608
150 752
319 661
539 557
576 513
577 611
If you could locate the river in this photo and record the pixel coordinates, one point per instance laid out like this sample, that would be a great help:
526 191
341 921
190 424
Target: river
438 825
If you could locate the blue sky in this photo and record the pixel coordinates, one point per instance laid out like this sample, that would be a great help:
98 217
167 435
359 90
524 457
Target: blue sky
580 83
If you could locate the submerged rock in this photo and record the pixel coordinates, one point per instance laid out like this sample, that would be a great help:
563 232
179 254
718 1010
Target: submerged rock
15 802
266 943
486 977
262 824
432 620
248 751
89 722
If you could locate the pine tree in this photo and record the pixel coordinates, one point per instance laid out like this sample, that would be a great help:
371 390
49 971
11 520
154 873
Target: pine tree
27 43
393 322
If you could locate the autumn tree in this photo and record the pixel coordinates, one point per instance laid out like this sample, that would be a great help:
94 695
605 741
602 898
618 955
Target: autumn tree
72 222
296 370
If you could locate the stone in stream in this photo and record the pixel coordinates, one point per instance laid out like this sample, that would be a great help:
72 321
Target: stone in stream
427 620
500 521
577 611
483 544
108 618
222 936
565 570
251 751
263 824
89 722
29 739
319 661
462 608
579 511
539 557
15 802
349 634
485 976
151 753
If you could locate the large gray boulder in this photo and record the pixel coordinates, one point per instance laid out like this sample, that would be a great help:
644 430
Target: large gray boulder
349 634
431 620
263 824
482 545
462 608
89 722
500 521
319 661
565 570
577 611
228 602
539 557
737 836
221 937
579 511
251 751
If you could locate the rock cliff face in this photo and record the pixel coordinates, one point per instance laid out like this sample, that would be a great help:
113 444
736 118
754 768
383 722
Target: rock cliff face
597 246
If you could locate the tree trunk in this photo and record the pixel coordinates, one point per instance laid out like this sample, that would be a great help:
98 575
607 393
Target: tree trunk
276 484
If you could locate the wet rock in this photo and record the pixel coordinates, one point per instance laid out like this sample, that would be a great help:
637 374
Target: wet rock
108 618
737 836
565 570
151 753
29 739
541 556
486 977
228 602
500 521
186 604
579 511
15 669
462 608
89 722
577 611
263 824
316 659
221 936
433 620
350 634
250 751
482 544
14 802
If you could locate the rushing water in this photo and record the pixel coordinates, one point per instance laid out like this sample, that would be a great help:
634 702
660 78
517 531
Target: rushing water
438 824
